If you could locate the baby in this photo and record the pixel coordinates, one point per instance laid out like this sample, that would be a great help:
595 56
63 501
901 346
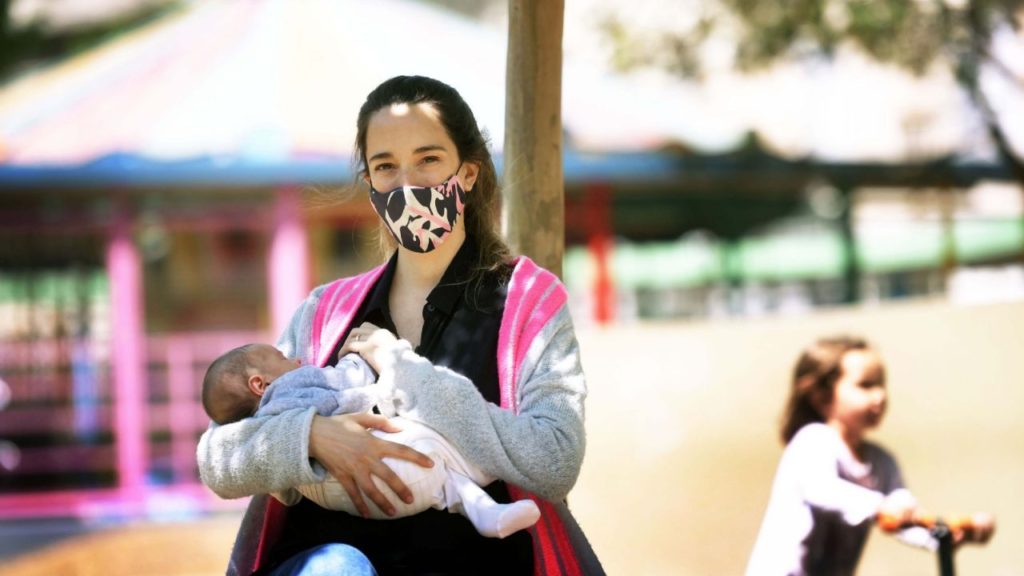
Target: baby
258 380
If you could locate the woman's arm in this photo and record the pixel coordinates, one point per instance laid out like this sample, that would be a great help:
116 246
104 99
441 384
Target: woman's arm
273 453
258 455
264 453
541 448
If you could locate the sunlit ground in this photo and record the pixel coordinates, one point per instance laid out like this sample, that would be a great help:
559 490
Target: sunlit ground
188 548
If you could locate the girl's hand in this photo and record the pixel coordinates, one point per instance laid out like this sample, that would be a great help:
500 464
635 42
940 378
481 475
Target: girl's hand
344 446
978 528
365 340
897 510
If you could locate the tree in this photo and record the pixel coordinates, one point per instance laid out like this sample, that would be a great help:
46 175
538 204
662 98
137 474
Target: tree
533 204
913 34
23 44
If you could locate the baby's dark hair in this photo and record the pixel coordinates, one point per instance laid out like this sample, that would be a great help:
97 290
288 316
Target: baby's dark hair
814 381
225 398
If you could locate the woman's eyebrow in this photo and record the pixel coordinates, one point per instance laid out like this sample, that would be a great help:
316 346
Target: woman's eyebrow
420 150
429 148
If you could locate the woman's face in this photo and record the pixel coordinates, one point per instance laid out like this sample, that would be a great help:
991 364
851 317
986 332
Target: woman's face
860 398
407 145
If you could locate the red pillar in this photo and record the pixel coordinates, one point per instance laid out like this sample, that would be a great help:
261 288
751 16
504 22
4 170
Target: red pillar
128 353
599 231
288 267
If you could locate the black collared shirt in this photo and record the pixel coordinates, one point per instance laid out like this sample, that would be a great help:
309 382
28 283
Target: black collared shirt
460 332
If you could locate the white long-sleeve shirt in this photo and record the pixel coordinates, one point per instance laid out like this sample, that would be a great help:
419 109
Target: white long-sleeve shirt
822 505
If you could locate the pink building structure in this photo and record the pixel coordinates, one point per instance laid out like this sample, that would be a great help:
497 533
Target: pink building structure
173 161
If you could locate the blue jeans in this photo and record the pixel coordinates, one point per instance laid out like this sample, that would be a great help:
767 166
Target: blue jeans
327 560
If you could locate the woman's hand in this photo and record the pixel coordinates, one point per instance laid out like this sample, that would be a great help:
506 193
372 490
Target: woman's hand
365 340
344 446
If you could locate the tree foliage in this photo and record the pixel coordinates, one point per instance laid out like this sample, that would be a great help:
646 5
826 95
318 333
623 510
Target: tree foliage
28 43
913 34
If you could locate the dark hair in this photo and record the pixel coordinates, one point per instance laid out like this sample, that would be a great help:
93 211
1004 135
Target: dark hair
225 398
814 379
483 202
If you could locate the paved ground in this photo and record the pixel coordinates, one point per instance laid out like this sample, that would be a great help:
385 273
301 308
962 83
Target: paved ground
24 536
192 548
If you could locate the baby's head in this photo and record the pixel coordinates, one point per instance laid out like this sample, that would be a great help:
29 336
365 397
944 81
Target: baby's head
236 381
839 380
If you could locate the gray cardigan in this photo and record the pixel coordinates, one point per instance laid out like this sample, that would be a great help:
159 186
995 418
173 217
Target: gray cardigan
539 449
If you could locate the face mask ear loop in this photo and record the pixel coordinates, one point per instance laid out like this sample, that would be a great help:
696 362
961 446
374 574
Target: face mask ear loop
456 174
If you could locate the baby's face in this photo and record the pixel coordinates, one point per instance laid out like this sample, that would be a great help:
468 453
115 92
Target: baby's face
270 362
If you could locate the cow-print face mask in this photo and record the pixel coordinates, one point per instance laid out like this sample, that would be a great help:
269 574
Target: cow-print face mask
421 218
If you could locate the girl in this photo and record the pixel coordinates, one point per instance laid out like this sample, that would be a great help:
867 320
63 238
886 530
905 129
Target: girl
491 363
831 483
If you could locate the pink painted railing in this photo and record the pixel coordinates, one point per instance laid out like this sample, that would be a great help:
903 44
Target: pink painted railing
62 457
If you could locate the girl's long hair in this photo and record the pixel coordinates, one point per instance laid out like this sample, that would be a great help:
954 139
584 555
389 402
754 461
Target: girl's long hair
814 381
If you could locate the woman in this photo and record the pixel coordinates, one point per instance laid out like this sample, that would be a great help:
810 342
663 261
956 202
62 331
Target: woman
493 365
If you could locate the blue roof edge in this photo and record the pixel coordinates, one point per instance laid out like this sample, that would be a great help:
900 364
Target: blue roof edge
127 170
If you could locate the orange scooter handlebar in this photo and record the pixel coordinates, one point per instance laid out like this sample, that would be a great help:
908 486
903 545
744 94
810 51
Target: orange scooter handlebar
976 523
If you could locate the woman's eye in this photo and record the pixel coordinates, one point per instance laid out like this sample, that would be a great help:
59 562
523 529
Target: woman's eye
431 159
383 167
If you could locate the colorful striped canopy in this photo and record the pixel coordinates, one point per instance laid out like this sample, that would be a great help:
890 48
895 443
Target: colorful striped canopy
272 83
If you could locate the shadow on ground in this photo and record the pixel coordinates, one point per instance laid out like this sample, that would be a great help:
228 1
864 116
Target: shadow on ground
194 548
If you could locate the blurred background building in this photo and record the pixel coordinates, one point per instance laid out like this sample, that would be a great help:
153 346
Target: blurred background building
176 175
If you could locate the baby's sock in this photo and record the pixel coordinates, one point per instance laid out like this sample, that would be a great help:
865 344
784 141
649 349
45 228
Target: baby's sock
490 518
513 517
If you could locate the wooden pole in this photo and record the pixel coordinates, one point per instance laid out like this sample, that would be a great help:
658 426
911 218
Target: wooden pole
533 207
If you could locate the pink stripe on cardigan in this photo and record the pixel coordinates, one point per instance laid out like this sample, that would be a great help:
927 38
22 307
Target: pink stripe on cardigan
338 305
538 295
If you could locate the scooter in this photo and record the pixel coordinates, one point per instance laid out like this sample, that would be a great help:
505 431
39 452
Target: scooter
944 531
